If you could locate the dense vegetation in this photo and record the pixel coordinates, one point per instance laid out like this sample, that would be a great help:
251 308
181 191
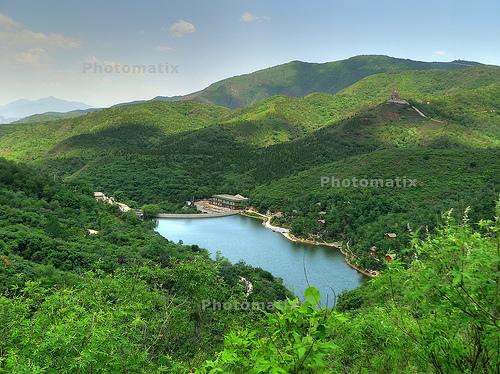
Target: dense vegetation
438 316
52 116
360 216
32 140
85 288
126 300
276 150
120 298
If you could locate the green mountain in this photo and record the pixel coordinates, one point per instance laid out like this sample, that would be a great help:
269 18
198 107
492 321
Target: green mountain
166 152
121 298
124 299
403 190
52 116
31 141
460 96
298 78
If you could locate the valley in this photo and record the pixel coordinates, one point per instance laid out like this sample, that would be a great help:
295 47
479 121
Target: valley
276 150
320 151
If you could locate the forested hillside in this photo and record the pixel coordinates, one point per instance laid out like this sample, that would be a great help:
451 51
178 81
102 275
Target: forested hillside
52 116
298 78
32 140
440 315
115 299
276 150
360 216
125 299
86 288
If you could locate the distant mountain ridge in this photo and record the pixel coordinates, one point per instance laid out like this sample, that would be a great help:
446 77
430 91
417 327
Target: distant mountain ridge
52 116
295 78
22 108
276 150
299 78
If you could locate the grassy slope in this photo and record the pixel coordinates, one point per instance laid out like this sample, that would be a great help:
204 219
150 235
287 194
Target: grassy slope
457 166
178 149
462 96
299 78
385 126
281 118
30 141
465 96
53 116
468 96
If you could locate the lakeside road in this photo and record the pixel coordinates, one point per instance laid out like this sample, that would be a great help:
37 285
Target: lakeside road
196 215
286 233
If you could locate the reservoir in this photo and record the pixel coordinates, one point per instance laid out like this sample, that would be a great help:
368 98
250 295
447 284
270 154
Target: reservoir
243 238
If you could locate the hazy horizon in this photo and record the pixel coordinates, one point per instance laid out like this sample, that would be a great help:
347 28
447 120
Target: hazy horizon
79 52
181 94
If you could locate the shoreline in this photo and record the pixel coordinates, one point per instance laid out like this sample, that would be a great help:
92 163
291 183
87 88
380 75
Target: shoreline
194 215
286 233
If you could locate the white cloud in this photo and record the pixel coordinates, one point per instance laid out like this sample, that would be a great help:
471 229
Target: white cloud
28 37
13 33
7 22
248 17
440 53
20 45
164 48
181 28
31 56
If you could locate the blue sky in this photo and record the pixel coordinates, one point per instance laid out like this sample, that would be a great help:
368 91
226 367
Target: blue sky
45 46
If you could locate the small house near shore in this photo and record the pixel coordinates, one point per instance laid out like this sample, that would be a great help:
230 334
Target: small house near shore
139 213
99 196
390 236
390 257
229 201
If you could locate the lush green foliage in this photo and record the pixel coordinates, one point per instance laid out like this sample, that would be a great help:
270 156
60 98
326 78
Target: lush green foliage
361 215
128 300
164 153
52 116
440 315
30 141
120 298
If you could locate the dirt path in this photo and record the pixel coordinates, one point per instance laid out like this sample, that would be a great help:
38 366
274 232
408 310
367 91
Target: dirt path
423 115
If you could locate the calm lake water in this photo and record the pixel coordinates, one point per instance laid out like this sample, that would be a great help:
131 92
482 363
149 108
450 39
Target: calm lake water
243 238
